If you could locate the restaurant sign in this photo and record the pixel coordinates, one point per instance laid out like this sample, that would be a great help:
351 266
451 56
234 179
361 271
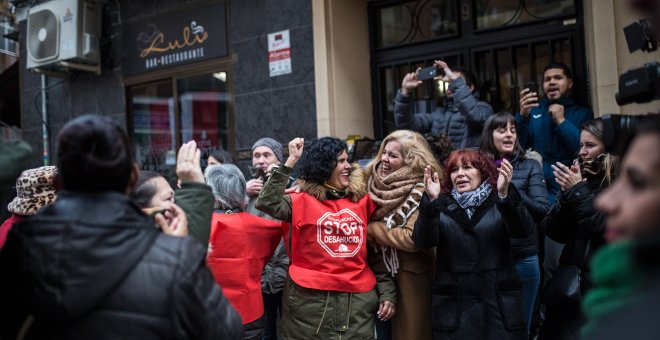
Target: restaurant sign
179 38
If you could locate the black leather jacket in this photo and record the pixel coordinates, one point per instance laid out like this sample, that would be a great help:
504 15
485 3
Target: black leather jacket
92 266
476 291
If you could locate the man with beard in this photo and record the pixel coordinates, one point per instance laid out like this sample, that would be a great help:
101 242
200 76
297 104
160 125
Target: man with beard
551 126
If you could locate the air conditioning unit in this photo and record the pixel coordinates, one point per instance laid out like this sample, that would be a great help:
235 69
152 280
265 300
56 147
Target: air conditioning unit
64 34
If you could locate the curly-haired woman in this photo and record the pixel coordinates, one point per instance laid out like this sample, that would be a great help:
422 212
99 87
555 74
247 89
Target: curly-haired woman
396 185
331 291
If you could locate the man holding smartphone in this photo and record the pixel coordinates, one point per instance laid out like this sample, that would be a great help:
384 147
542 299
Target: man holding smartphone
461 117
551 125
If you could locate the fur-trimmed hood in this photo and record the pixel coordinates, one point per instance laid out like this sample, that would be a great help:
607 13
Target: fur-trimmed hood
531 154
357 187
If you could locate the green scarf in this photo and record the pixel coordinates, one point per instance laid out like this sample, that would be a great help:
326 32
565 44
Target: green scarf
615 277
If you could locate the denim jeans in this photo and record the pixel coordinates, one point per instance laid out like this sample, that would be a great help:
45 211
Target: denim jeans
529 273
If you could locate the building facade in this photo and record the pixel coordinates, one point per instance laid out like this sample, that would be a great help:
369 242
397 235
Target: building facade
213 71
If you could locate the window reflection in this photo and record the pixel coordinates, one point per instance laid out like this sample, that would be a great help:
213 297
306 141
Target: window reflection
152 110
416 21
202 111
203 103
497 13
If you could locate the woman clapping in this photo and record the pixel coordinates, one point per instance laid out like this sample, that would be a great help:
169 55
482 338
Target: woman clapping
470 219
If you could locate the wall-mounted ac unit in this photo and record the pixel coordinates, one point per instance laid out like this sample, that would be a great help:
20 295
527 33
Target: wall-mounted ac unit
64 34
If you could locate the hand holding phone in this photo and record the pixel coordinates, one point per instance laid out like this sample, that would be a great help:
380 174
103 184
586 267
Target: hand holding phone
528 98
531 86
173 222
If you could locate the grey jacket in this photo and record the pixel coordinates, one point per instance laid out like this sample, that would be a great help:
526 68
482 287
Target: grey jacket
461 119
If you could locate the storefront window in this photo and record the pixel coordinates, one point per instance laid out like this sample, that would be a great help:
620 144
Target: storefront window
204 113
498 13
416 21
161 121
152 108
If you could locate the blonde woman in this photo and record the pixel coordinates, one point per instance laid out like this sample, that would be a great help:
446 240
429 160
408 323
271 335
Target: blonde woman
396 184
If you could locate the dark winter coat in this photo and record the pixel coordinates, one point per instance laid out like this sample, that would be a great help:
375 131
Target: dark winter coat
93 266
322 314
461 119
574 221
556 143
528 179
476 291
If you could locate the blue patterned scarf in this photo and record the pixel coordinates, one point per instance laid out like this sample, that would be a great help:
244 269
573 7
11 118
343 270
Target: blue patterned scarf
470 200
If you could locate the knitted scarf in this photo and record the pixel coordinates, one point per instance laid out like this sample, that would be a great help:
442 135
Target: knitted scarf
397 197
616 278
470 200
390 193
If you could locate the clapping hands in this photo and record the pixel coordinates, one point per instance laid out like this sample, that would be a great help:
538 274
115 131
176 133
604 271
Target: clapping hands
504 178
431 183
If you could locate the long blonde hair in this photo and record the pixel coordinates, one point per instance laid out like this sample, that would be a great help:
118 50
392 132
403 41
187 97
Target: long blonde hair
414 149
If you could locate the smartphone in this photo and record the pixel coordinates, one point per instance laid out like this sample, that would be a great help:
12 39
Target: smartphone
257 172
427 73
531 86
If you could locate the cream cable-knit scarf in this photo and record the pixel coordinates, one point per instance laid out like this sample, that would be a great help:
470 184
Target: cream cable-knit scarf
397 196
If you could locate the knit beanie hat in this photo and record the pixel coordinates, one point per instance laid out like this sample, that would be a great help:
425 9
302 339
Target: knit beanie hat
271 144
34 190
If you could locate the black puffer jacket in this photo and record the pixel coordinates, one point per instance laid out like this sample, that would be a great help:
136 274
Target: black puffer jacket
92 266
528 179
476 291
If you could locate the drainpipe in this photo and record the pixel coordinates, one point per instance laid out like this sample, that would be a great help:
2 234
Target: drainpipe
44 117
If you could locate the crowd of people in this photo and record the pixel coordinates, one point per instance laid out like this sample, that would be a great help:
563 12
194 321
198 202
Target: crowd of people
466 224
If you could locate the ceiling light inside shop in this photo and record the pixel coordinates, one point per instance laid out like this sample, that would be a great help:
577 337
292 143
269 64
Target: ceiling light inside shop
221 76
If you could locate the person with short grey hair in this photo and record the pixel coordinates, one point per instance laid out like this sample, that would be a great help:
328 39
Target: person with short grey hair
228 186
239 246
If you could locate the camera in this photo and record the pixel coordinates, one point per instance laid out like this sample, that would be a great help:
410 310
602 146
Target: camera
640 85
639 36
617 128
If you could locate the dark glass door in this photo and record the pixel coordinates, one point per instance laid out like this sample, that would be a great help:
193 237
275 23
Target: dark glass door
504 43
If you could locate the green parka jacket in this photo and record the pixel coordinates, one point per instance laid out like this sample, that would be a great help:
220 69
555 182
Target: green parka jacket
316 314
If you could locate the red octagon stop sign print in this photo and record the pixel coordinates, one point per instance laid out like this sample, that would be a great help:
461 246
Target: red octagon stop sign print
340 233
